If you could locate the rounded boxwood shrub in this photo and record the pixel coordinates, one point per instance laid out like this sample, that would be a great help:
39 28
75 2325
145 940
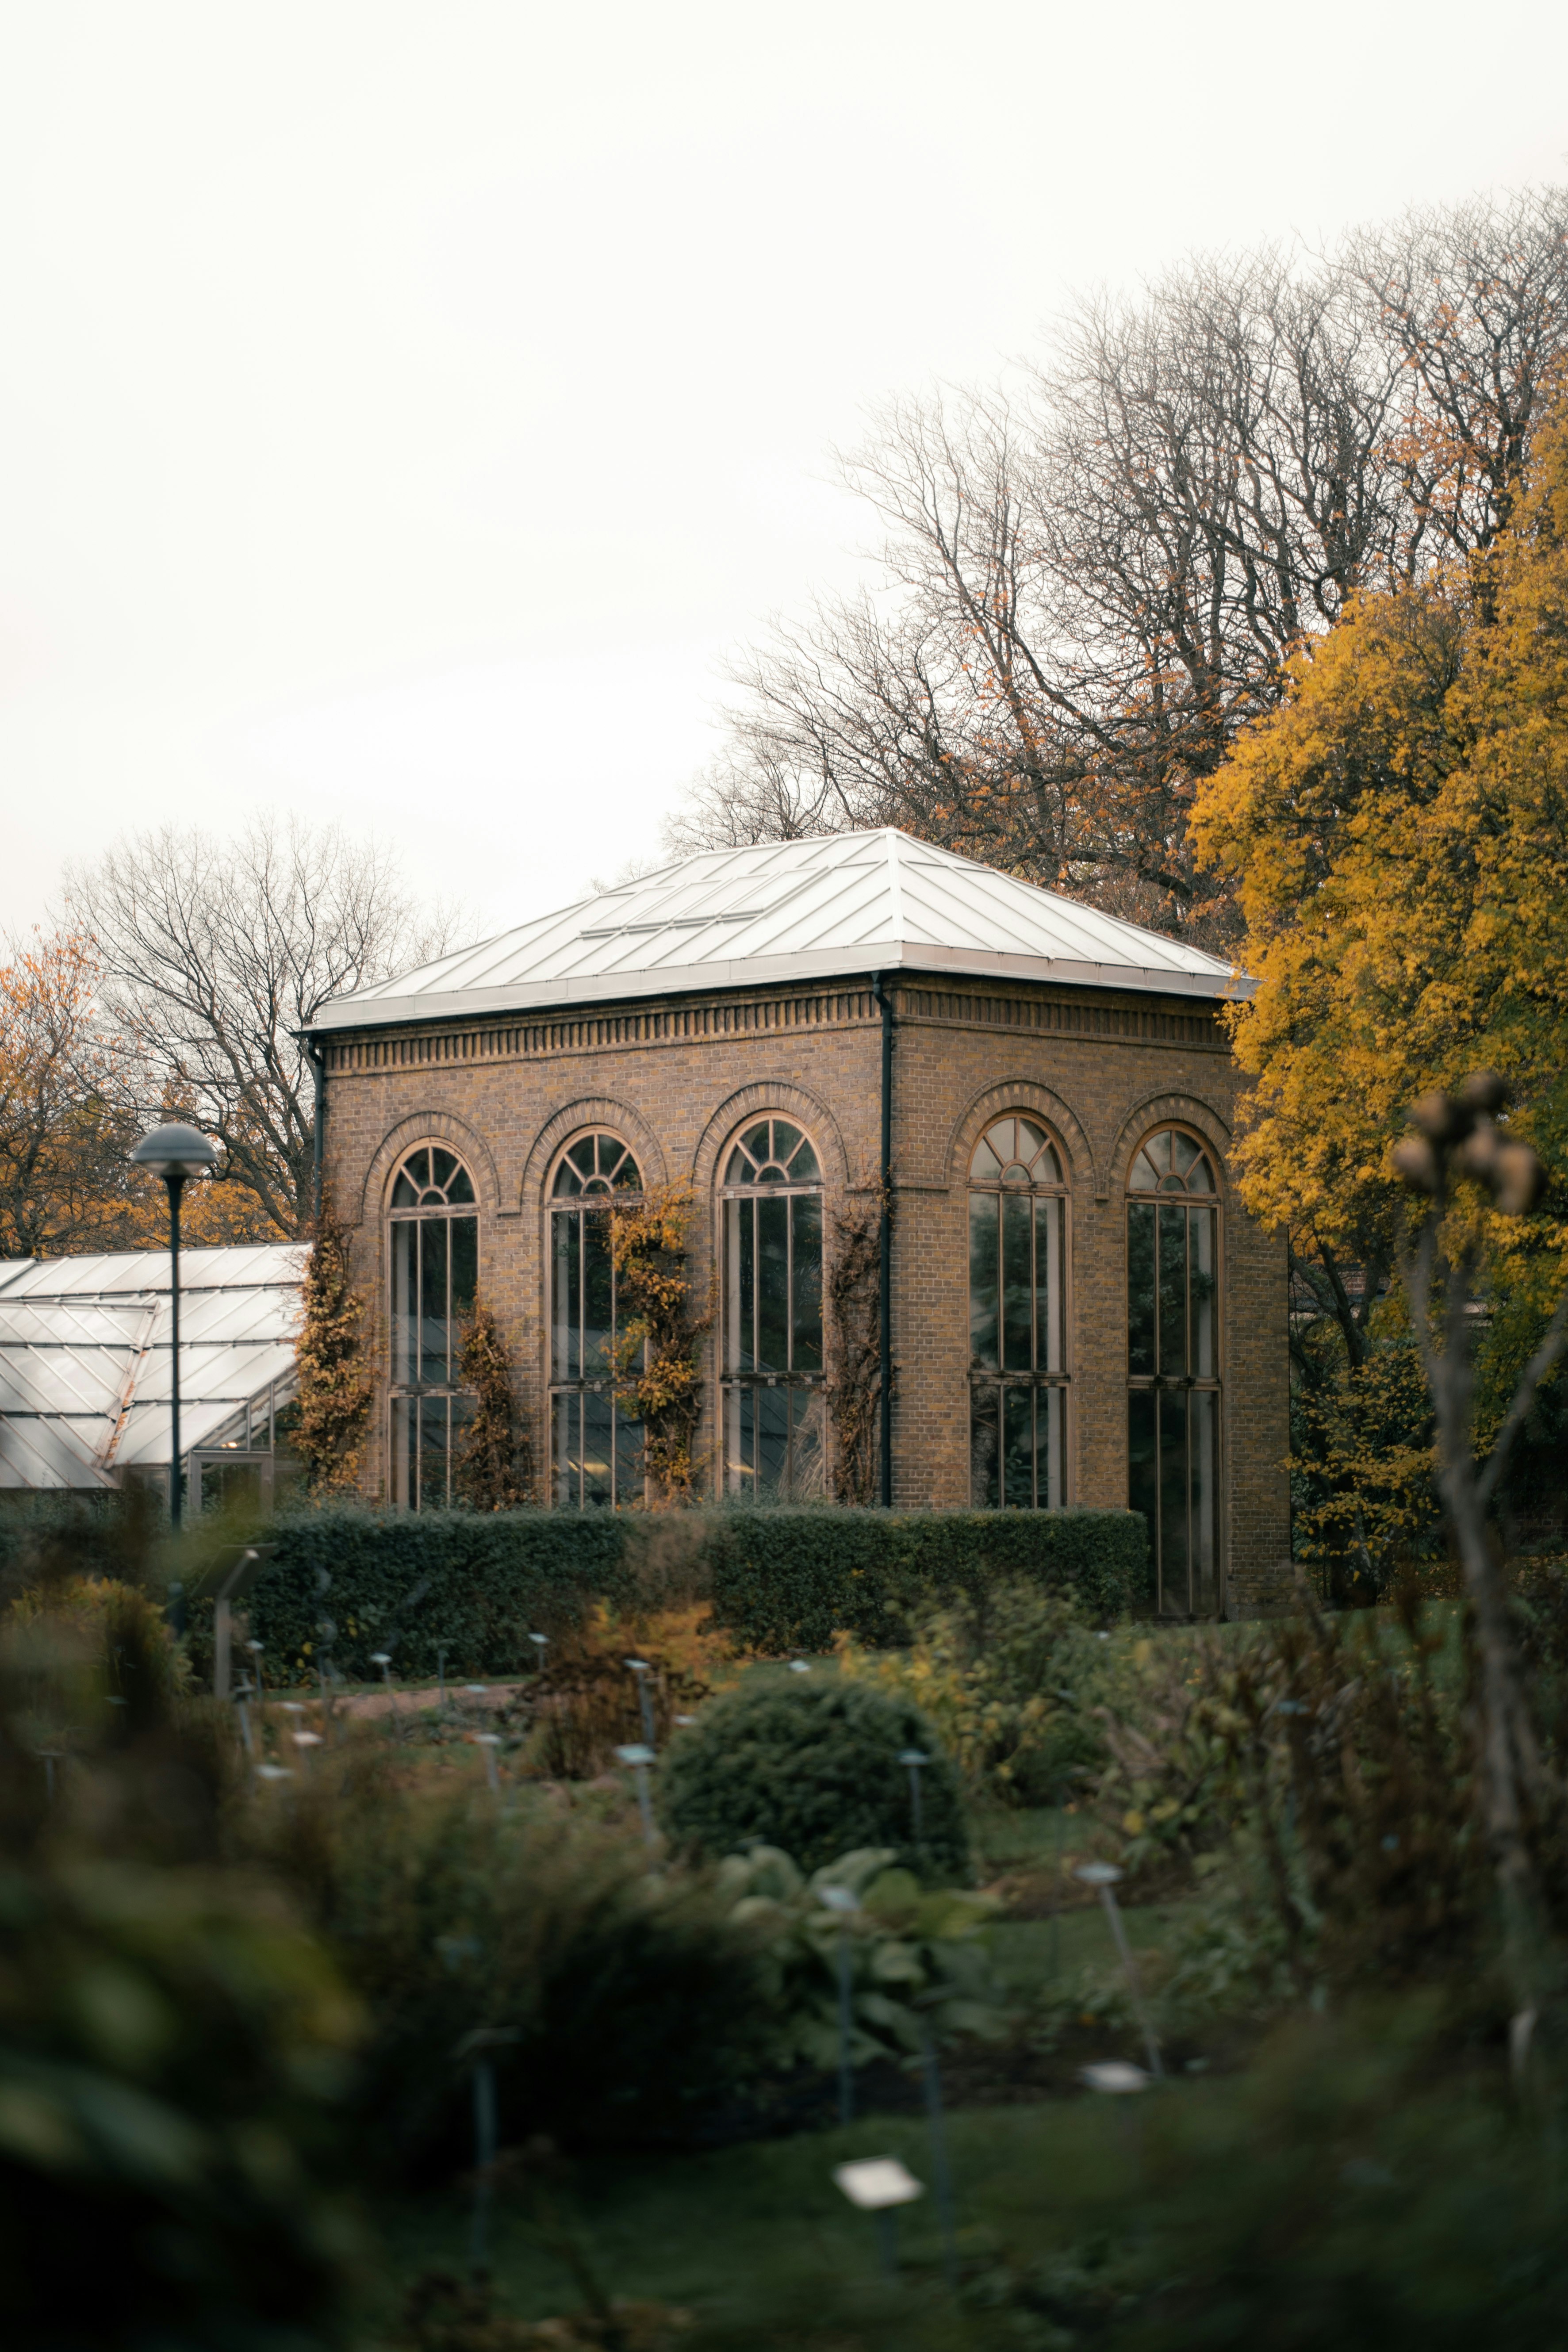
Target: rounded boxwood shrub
813 1768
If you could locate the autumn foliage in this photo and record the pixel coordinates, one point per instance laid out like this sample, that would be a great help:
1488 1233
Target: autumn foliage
659 1374
494 1469
332 1354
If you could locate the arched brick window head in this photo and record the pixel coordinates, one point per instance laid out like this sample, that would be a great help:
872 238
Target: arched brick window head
595 1450
1017 1319
1173 1365
773 1367
435 1260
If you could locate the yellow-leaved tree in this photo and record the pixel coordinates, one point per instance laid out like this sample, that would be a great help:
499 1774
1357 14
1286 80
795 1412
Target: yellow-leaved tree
1397 832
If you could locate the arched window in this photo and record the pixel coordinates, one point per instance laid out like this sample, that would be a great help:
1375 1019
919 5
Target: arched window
435 1269
772 1376
595 1450
1018 1319
1173 1365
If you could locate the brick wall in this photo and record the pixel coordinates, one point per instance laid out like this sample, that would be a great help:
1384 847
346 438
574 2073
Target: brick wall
677 1079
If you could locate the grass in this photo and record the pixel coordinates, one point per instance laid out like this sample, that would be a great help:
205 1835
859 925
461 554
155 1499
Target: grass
758 2242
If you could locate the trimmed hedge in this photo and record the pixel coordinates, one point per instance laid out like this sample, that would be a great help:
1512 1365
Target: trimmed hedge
789 1578
478 1582
780 1579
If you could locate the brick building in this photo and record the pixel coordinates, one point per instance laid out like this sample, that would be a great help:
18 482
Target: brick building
1078 1309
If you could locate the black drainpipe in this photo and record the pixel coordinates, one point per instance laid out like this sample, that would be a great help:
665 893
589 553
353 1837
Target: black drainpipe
886 1238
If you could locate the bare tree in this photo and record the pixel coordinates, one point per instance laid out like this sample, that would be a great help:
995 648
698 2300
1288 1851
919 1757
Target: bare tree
214 953
1086 591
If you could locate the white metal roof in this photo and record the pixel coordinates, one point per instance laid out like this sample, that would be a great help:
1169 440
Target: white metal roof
85 1356
787 910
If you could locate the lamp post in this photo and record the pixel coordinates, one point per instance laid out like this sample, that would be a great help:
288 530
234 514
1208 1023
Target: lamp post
175 1152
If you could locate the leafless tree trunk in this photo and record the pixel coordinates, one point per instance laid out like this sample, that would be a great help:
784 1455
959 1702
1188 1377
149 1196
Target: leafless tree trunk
214 953
1457 1139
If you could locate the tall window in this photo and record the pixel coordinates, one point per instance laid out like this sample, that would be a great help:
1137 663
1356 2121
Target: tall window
1018 1365
595 1448
435 1269
773 1392
1172 1366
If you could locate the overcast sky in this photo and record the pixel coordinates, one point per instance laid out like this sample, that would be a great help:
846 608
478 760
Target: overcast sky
404 407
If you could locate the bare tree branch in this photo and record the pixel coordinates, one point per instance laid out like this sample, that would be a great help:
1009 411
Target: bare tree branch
214 953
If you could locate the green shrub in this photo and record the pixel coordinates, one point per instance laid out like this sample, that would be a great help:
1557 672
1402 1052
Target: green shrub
778 1579
999 1672
792 1578
631 2000
174 2049
812 1766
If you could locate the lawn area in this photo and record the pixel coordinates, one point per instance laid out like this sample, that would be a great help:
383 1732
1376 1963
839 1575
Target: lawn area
761 2246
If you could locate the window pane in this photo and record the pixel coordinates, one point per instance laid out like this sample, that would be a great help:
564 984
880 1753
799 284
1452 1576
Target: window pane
1017 1283
1140 1221
1142 1462
566 1449
460 1189
1172 1292
807 1458
432 1232
985 1449
1050 1448
740 1434
773 1284
986 1166
404 1301
806 1281
630 1480
465 1233
566 1298
403 1195
1049 1217
1018 1449
982 1212
404 1410
1200 1244
1203 1439
743 1284
598 1295
598 1439
771 1407
433 1494
1175 1594
803 1167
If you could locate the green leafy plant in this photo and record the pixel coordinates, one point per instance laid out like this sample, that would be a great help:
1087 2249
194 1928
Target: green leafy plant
996 1673
813 1766
917 1956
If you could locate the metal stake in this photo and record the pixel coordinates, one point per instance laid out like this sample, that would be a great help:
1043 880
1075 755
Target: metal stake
641 1669
637 1758
441 1672
1104 1876
840 1901
939 2163
914 1760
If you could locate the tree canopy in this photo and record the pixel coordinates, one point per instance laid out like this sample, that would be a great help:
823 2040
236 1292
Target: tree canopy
1091 585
